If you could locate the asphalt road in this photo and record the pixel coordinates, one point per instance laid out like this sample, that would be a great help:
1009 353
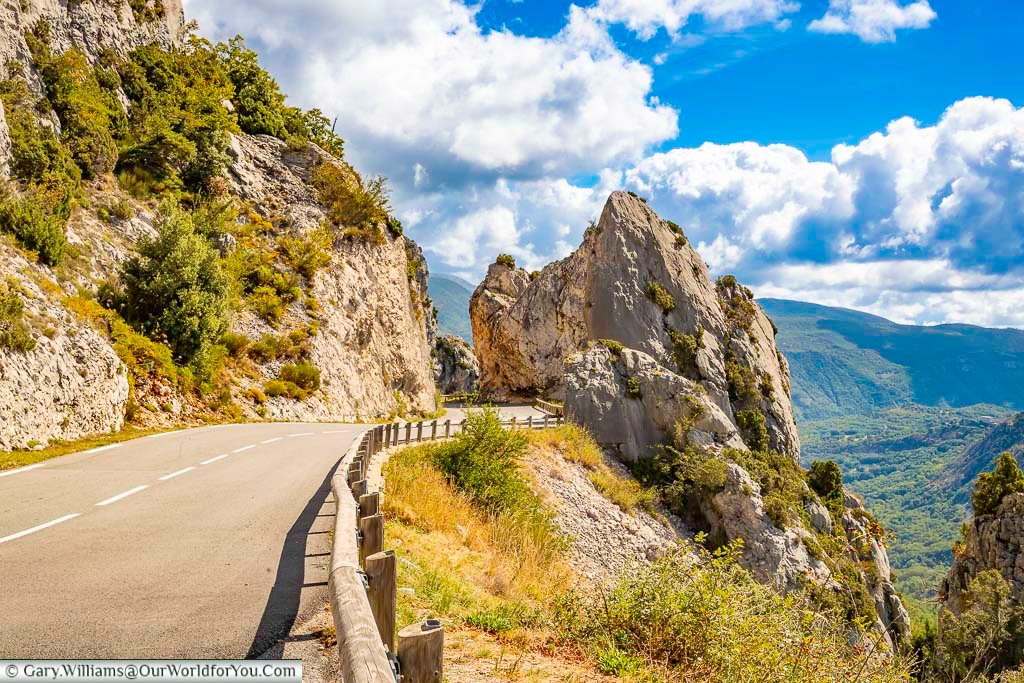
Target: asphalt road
203 543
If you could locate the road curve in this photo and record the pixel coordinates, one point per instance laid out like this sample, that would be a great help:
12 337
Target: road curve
204 543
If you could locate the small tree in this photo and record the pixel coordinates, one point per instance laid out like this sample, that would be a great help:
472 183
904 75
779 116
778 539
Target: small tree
992 487
826 479
175 289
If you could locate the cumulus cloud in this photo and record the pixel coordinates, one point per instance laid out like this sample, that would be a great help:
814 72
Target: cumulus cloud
647 17
873 21
917 222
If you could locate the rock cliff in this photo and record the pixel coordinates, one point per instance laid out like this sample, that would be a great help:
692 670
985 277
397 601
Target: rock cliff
456 370
360 316
994 541
680 375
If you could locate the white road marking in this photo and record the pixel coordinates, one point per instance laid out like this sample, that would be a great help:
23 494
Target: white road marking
272 440
103 448
243 448
172 475
302 434
34 529
212 460
119 496
20 469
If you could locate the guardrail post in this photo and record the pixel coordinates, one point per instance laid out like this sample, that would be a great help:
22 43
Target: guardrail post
372 529
545 420
354 473
529 422
421 652
369 504
408 432
433 431
419 431
382 574
513 423
359 488
447 428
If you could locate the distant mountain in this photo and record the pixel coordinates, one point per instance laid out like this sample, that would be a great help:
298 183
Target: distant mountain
845 362
451 297
1005 437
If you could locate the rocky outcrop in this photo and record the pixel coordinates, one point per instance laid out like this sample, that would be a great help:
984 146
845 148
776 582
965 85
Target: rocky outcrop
647 351
456 370
637 281
993 541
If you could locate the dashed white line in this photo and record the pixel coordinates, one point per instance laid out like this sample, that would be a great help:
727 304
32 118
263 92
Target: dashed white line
272 440
119 496
20 469
243 448
213 460
103 448
302 434
34 529
172 475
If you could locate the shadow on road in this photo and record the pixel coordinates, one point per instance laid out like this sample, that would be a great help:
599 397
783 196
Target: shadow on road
285 597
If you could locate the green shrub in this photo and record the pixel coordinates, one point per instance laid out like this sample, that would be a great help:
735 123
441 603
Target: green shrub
361 208
753 428
34 222
306 254
482 462
710 620
737 302
175 289
826 479
14 335
506 260
265 301
991 487
743 384
258 98
660 296
633 389
276 388
685 348
236 344
615 347
303 375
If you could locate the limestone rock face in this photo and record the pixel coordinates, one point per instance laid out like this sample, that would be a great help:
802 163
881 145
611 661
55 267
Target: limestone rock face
993 541
598 395
525 329
70 385
373 346
455 368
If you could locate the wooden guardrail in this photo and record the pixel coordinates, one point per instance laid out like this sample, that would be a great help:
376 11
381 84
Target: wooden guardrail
555 409
363 583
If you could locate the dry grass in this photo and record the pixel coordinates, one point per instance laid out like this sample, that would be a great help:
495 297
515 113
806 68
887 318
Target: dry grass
575 444
13 459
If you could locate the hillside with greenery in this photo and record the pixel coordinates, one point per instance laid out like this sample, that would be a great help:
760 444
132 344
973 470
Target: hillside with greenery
845 362
451 297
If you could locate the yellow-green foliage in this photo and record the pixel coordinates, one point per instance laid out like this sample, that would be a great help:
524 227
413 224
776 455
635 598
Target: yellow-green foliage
296 381
678 620
743 385
685 348
14 334
360 208
306 254
737 302
991 487
660 296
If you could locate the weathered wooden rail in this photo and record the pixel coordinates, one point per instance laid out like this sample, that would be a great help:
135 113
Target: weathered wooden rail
554 409
363 583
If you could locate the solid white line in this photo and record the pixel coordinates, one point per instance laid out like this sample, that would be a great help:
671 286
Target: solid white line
243 448
20 469
119 496
103 448
34 529
172 475
302 434
212 460
272 440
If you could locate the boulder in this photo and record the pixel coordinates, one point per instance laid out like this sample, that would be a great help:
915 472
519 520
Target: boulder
456 370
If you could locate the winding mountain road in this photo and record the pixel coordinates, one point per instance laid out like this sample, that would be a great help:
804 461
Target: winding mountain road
202 543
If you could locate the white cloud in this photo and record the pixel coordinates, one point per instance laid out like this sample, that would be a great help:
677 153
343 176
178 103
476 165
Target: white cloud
647 17
873 21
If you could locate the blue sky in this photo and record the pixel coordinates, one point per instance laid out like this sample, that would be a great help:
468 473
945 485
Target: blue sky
863 153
